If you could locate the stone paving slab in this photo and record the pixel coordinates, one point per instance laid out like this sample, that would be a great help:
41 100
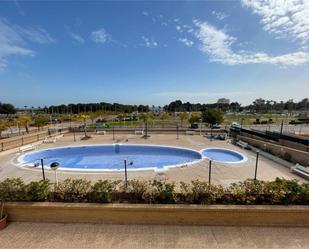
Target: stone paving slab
75 236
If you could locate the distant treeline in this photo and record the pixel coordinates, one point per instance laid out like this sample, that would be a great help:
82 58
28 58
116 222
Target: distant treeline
93 107
179 106
258 106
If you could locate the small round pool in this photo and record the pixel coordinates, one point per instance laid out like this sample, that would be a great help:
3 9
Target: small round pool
111 157
223 155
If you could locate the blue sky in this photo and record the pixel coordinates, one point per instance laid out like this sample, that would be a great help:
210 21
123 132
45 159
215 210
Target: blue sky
153 52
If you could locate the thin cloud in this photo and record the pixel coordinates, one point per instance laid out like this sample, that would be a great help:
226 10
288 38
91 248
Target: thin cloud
100 36
77 38
219 15
149 42
284 19
14 40
36 35
217 44
145 13
186 41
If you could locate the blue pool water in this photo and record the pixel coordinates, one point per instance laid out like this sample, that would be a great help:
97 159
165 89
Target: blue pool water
111 157
223 155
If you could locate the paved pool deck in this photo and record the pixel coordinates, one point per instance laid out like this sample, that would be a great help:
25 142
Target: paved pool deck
95 236
221 173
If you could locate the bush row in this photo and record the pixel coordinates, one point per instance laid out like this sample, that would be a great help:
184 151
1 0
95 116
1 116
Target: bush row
280 191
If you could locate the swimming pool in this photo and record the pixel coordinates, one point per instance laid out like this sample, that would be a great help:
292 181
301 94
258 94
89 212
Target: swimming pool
223 155
111 157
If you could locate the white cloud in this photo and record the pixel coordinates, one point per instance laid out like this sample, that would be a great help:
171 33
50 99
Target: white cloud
36 35
283 18
145 13
149 42
14 40
77 38
178 28
186 41
100 36
219 15
217 44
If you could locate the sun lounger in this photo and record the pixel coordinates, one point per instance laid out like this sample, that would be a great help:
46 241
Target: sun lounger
139 132
100 132
27 147
190 132
301 170
50 140
242 144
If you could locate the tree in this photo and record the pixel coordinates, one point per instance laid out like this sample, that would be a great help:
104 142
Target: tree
4 125
84 118
234 106
194 118
6 108
213 116
183 116
24 121
146 117
164 116
40 120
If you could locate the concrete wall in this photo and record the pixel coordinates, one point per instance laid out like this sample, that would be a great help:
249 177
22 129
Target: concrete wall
227 215
287 153
282 142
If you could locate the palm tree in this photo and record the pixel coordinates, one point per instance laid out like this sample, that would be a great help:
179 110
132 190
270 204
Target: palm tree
146 117
84 119
183 116
24 121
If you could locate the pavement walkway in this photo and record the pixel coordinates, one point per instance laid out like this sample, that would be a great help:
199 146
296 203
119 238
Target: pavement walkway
84 236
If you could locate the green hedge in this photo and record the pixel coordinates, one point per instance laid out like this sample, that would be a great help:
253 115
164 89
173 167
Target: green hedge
280 191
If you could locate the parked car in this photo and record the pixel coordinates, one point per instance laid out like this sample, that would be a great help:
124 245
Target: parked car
194 125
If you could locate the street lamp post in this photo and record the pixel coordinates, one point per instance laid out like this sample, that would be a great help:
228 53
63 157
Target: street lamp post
74 134
42 165
256 164
146 129
54 166
281 128
177 130
126 171
209 176
113 133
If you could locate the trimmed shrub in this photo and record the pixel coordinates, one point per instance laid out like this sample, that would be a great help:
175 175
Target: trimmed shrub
72 190
13 189
249 192
103 191
160 192
135 191
38 191
199 192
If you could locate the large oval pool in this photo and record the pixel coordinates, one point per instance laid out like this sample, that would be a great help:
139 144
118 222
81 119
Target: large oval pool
223 155
111 157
